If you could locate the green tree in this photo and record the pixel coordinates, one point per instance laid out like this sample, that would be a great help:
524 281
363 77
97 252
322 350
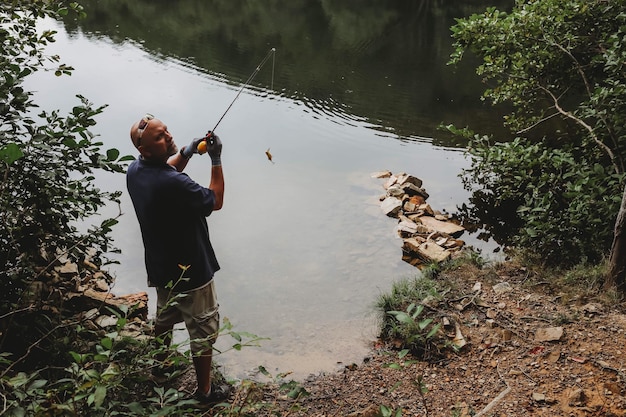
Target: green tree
561 64
47 161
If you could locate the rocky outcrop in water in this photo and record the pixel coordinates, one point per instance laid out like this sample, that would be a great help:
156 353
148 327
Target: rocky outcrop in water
427 234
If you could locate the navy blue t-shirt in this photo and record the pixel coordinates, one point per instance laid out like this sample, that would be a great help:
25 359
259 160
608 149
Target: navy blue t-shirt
172 210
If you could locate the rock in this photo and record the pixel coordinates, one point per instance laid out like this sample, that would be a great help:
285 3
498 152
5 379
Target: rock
432 236
538 397
431 252
553 357
452 244
591 309
90 299
410 207
459 340
101 285
106 321
414 190
502 287
548 334
390 181
417 200
391 206
576 397
90 314
411 259
404 178
406 226
507 335
448 228
68 268
425 251
381 174
395 191
428 210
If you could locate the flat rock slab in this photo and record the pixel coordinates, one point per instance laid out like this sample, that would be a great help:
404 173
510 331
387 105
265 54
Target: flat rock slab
427 251
391 206
435 225
548 334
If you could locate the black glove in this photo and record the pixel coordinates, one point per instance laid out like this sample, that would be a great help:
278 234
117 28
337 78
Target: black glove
214 148
192 148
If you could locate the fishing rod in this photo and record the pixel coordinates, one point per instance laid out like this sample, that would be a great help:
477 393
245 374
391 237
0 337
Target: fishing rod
272 52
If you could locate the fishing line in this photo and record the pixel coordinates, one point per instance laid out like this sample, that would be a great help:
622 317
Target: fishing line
272 52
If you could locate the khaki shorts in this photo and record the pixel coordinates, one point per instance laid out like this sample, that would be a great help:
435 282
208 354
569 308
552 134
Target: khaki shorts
197 308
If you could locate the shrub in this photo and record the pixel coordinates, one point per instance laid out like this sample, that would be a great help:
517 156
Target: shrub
560 65
47 190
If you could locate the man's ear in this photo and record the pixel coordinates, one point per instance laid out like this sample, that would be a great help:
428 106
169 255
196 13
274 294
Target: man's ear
144 152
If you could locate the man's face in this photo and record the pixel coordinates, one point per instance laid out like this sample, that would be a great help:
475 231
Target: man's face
156 142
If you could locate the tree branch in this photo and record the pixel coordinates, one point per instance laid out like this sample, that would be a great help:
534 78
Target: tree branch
32 346
526 129
583 76
586 126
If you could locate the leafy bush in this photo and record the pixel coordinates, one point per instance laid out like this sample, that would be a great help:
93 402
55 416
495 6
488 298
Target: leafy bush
403 317
47 190
560 64
550 201
109 374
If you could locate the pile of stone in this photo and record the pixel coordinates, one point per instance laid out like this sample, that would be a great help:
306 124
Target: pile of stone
428 235
81 291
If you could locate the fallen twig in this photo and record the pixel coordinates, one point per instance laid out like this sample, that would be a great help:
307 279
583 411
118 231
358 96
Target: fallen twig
536 319
605 366
493 403
496 400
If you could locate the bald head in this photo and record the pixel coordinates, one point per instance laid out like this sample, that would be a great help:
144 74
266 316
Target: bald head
152 139
134 134
138 128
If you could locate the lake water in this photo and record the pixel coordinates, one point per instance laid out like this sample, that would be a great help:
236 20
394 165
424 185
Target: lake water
304 247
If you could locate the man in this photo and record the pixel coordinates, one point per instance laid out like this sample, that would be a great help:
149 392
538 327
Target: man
180 261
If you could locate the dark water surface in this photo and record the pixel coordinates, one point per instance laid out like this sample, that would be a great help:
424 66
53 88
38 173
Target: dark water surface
356 87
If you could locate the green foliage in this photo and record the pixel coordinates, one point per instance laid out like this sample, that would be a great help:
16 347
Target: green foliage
561 64
389 412
420 384
551 201
417 333
405 291
109 375
47 163
250 401
403 315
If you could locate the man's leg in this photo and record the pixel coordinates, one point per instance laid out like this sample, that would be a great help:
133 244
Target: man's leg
202 323
202 364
